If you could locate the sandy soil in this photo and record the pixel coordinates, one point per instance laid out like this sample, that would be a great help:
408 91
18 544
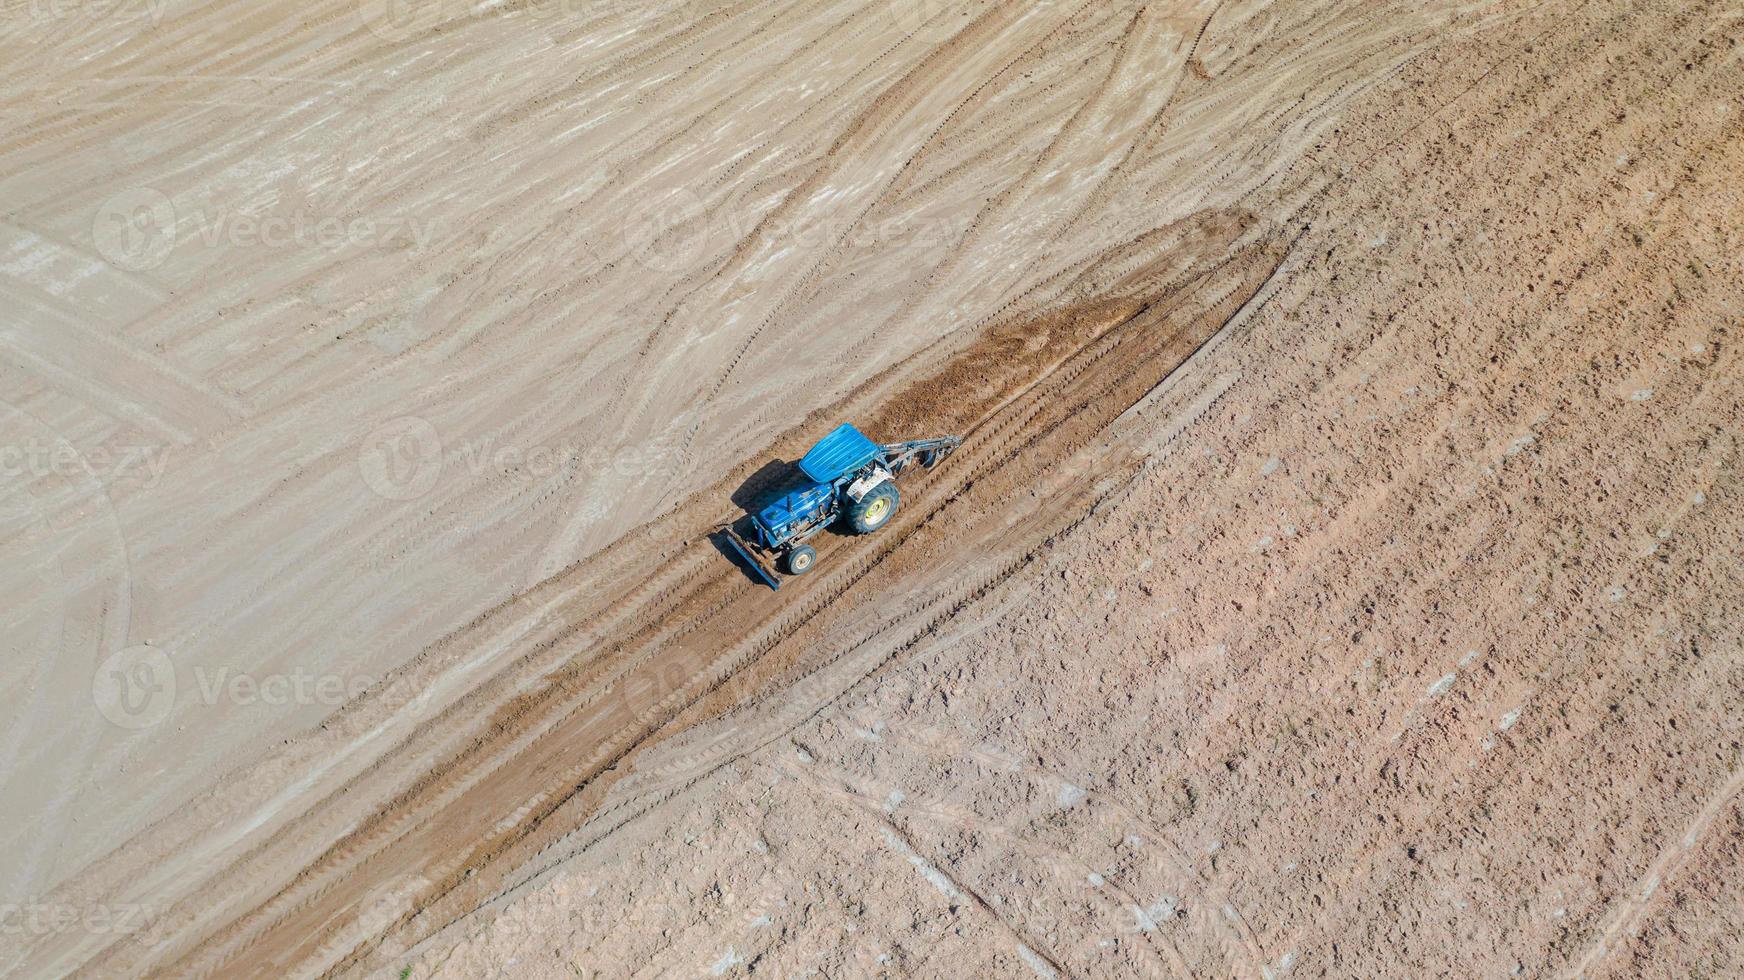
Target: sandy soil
1340 577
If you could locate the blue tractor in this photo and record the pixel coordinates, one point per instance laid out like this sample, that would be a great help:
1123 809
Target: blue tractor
847 476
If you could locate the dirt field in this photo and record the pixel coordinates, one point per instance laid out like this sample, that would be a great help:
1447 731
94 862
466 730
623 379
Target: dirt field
1341 575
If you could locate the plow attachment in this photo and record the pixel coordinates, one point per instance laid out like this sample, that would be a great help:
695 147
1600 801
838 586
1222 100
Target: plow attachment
749 552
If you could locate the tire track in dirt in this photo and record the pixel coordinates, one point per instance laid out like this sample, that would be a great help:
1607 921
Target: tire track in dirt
1444 576
857 156
816 268
713 599
722 607
590 644
764 719
1083 149
667 42
1626 914
1146 135
727 688
986 452
1114 819
858 801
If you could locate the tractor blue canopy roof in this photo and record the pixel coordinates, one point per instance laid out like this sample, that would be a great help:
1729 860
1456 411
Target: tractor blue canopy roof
842 451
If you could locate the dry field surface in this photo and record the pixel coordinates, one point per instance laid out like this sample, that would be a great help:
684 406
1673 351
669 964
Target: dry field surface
1342 575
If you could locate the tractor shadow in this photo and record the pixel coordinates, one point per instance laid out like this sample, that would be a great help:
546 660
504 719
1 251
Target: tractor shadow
760 489
769 482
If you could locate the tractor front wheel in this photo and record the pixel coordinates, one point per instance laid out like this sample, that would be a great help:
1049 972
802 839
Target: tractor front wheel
873 510
801 559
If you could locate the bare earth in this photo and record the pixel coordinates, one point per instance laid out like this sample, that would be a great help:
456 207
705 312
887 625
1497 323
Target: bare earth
1343 574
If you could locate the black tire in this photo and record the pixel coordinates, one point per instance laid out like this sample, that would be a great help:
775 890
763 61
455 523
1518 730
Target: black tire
800 560
875 509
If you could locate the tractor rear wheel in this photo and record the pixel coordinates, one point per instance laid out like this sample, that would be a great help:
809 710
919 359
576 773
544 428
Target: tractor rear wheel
801 559
873 510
